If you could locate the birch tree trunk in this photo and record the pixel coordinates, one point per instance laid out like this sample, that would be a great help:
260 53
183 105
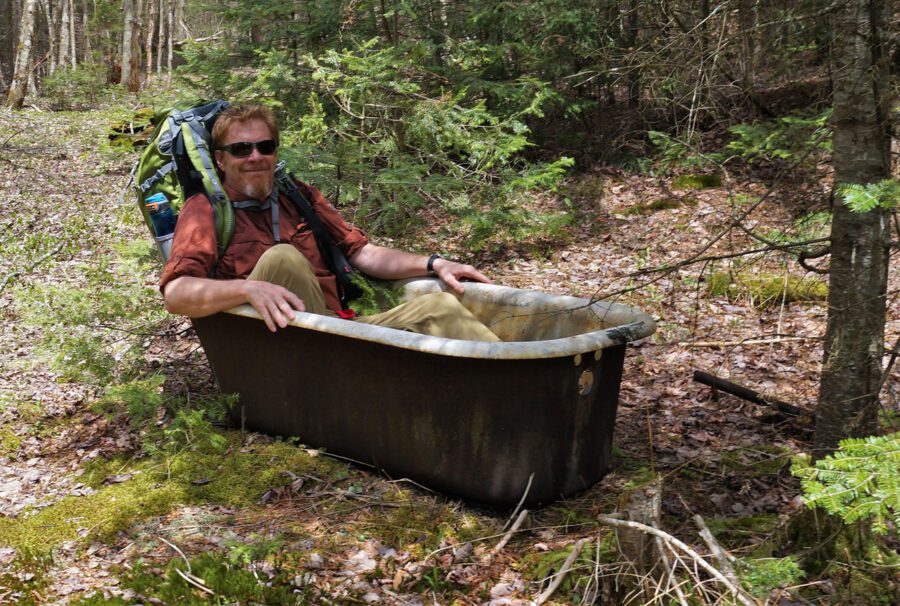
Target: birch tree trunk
127 33
87 53
150 20
162 8
51 15
854 338
16 96
73 46
63 29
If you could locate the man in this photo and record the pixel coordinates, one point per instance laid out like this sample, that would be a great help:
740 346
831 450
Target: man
280 270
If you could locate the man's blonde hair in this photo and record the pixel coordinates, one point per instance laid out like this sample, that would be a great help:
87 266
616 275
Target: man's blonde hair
244 113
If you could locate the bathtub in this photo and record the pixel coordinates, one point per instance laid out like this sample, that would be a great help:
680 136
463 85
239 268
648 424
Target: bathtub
531 417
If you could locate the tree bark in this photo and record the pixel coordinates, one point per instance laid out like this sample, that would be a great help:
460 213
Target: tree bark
854 339
127 33
148 37
16 95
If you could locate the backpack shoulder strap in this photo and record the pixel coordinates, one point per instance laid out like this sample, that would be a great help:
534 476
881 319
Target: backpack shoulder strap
195 139
337 263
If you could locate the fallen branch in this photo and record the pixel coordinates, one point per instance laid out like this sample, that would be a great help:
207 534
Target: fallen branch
739 594
748 394
521 501
671 581
768 341
723 558
561 575
30 268
509 533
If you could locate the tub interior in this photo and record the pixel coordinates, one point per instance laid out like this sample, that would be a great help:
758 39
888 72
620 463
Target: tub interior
519 315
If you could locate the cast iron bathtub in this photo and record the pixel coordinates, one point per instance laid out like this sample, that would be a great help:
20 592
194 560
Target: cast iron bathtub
481 421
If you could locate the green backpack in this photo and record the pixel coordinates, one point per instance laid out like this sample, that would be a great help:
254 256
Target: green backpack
178 163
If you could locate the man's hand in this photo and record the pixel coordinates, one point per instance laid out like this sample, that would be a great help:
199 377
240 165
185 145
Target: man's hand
198 297
274 303
452 272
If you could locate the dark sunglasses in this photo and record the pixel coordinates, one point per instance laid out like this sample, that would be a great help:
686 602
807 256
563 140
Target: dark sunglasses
242 149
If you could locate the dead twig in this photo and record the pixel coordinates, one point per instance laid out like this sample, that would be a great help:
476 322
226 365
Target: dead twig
723 558
767 341
521 501
515 527
739 594
561 575
30 268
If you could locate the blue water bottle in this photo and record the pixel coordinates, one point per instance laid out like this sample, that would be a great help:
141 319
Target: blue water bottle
163 220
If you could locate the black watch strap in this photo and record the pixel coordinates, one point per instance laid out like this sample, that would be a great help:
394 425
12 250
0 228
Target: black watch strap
431 261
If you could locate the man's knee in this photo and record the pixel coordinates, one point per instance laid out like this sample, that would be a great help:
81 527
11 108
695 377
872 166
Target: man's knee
283 256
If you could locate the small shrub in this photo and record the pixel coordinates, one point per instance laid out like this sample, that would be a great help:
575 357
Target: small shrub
75 88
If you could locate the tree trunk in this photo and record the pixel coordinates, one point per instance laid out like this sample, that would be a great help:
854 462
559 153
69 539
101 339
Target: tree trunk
747 19
161 35
87 54
854 339
16 95
131 45
73 18
63 30
127 33
148 37
51 14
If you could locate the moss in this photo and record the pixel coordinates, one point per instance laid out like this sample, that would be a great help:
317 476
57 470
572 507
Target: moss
26 578
418 528
9 442
231 583
696 181
756 462
734 532
656 205
236 478
766 289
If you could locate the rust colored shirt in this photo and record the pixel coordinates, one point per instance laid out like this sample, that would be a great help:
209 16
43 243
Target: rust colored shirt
194 244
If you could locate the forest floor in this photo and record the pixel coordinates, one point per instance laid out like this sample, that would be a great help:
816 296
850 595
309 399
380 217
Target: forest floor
88 505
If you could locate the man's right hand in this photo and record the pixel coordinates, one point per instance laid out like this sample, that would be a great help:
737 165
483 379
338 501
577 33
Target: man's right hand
274 303
198 297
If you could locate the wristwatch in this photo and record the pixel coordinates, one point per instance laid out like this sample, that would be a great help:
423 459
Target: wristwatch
431 261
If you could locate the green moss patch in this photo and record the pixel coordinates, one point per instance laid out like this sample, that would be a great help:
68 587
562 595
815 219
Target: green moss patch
658 205
734 532
9 442
757 462
767 289
696 181
236 477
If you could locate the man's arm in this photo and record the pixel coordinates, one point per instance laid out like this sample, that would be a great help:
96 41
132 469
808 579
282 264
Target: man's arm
393 264
198 297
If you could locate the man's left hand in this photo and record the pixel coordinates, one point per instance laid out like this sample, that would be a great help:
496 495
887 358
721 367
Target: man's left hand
452 273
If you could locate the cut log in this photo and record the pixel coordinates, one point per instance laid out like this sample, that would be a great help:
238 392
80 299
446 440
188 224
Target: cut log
748 394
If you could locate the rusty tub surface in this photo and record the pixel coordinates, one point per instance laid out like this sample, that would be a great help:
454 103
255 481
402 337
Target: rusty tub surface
481 421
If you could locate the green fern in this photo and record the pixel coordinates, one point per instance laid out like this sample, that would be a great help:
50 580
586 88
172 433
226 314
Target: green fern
860 481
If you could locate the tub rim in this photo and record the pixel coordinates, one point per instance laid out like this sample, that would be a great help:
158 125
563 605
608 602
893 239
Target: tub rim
640 326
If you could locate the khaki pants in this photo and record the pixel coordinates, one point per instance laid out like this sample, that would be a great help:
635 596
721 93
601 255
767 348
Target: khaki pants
437 314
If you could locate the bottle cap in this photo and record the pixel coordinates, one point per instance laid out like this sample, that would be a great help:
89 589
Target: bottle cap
156 198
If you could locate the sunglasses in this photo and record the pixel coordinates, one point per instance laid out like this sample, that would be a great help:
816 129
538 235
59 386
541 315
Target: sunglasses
242 149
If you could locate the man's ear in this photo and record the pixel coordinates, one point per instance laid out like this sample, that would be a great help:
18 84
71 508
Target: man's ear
218 156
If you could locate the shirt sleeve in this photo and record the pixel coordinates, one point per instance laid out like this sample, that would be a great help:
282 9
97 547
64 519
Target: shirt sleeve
350 239
194 244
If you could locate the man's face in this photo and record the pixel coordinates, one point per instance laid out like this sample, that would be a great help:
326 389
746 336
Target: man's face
254 175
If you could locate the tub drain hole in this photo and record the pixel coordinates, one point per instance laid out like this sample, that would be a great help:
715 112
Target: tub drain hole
585 382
